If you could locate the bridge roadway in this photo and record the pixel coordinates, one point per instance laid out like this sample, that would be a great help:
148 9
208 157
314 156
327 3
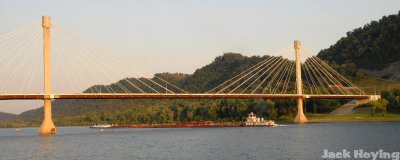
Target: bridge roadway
174 96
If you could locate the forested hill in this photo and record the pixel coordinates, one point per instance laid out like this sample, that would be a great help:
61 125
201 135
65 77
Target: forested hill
221 69
375 46
7 116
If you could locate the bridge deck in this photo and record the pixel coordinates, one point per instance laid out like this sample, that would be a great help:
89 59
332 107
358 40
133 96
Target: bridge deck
173 96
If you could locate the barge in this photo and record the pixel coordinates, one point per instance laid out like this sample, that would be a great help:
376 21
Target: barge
181 125
252 121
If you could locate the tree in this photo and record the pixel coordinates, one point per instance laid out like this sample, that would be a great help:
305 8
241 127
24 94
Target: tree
384 104
380 104
272 111
212 111
241 109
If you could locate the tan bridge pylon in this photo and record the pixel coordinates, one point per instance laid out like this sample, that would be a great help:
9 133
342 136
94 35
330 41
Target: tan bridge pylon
300 117
47 126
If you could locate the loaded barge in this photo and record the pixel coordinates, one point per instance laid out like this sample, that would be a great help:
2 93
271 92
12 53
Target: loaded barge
174 125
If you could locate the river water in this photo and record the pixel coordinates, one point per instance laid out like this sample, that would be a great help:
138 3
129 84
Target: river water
284 142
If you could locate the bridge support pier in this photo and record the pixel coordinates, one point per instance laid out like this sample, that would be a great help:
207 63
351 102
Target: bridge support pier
47 126
300 117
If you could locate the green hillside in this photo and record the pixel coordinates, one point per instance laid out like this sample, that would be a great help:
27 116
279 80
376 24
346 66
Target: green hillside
7 116
374 47
220 70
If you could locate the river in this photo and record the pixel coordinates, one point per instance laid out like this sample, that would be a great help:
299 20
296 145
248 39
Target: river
284 142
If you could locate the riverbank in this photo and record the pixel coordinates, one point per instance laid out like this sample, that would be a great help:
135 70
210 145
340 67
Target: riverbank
361 117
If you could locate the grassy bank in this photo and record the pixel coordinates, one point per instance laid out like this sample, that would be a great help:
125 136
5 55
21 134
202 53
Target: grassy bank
361 117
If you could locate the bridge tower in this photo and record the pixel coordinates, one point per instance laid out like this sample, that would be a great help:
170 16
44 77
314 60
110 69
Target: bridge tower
47 126
300 117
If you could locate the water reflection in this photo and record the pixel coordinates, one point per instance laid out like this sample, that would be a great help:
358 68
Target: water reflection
47 146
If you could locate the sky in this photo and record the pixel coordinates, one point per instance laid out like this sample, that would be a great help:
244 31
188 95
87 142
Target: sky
184 35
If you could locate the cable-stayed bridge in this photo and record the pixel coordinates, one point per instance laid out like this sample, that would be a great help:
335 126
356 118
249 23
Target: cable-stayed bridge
79 62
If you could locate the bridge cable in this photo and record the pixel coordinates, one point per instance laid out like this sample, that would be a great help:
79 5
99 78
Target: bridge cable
113 57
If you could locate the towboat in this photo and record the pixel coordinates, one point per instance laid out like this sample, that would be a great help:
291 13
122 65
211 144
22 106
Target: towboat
253 120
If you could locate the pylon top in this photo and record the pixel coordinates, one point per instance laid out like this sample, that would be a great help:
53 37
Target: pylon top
46 22
297 44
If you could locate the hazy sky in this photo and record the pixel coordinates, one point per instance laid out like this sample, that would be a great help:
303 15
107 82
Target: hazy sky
183 35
